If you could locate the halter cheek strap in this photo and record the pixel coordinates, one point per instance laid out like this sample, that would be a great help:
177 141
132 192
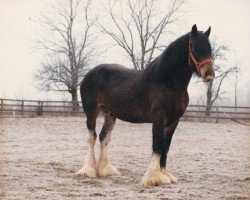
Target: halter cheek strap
198 65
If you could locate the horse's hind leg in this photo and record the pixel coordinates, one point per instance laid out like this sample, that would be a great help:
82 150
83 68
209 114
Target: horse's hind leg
104 167
89 168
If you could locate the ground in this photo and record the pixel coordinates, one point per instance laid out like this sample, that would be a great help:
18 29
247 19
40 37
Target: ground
39 158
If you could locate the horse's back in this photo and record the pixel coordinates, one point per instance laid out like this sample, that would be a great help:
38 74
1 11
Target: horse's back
104 73
104 78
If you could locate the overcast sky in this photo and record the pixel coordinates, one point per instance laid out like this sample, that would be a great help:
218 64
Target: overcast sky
229 20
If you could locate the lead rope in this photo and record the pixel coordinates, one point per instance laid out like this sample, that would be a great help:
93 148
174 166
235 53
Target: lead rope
234 120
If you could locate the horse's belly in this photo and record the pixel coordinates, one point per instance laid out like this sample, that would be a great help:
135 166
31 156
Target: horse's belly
125 113
128 107
133 118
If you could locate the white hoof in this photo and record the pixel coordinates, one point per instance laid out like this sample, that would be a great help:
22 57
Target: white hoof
154 178
170 176
88 171
107 170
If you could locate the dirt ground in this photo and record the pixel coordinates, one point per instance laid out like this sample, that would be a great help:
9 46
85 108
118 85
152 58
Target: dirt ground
39 158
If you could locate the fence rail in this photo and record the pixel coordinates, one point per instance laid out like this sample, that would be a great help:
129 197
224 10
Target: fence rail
10 107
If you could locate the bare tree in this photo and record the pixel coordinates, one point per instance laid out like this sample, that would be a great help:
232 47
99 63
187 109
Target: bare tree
140 30
222 71
68 45
236 87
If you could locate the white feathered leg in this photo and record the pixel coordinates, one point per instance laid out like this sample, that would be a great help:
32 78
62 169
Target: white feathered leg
104 167
154 175
89 168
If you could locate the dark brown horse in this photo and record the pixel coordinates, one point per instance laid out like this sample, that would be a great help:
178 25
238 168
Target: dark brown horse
155 95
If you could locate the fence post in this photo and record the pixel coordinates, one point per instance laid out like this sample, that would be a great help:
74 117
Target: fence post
42 107
1 107
22 108
68 108
39 109
217 114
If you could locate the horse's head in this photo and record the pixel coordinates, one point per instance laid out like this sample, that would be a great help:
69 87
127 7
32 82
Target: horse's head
200 54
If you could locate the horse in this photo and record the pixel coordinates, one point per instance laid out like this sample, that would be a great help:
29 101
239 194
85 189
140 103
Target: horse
157 94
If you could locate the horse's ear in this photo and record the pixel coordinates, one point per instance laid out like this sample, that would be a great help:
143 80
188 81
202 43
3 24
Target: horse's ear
207 33
194 31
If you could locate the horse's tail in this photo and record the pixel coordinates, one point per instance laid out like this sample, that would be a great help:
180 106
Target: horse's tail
88 89
81 86
81 92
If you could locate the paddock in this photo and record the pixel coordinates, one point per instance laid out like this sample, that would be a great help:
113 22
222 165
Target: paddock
39 158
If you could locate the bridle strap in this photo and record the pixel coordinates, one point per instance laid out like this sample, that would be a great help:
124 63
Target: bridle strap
198 65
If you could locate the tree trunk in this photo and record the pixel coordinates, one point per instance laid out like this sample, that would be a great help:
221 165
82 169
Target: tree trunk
74 99
209 99
207 112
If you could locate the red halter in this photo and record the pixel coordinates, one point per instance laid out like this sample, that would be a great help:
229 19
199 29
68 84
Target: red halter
198 65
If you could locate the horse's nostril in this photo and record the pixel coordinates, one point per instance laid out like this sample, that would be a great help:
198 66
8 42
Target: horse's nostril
207 73
209 78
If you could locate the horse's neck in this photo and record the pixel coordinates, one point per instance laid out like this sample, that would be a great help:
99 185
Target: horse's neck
172 68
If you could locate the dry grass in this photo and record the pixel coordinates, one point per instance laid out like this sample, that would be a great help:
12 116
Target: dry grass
39 158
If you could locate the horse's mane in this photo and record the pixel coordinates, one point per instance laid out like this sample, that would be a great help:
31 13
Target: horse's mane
172 58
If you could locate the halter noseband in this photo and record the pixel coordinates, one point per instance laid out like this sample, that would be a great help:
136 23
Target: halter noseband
198 65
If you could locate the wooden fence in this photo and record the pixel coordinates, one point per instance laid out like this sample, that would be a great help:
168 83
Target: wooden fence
10 107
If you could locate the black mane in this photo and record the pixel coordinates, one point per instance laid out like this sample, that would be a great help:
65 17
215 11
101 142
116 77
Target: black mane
173 58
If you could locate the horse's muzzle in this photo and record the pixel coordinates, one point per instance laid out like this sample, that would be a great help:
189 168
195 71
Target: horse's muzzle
207 72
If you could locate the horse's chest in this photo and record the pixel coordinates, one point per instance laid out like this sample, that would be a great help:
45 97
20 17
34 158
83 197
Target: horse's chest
170 105
175 105
180 107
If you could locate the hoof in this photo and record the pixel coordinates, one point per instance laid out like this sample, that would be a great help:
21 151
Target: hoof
154 178
107 170
170 176
87 171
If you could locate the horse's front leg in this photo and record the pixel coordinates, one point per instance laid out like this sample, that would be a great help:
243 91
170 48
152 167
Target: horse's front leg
169 130
157 173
